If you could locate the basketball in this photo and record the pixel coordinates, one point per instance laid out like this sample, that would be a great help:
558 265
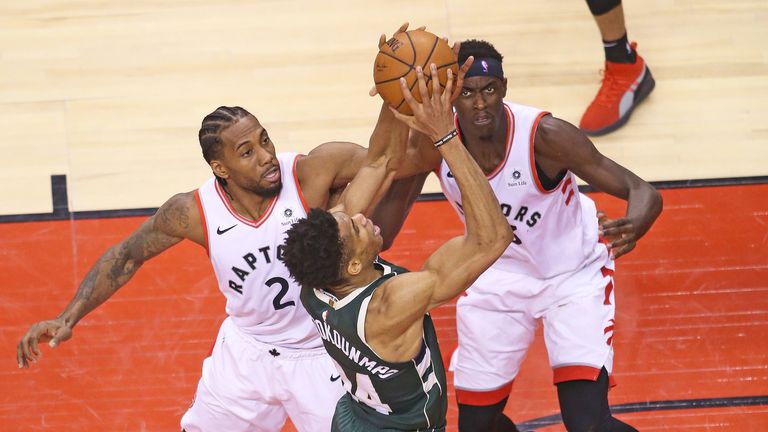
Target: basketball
399 57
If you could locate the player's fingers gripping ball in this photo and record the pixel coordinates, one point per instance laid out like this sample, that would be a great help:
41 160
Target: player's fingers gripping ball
399 57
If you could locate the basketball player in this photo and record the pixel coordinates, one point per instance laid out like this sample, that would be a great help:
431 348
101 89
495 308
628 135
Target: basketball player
556 270
268 361
371 315
627 81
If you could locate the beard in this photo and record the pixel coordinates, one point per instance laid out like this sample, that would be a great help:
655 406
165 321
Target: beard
267 192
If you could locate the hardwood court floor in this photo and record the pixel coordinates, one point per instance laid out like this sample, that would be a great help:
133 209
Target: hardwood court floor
112 93
691 314
691 322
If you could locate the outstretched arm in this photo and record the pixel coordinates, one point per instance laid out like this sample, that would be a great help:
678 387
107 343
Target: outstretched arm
398 307
379 167
333 165
393 209
559 146
175 220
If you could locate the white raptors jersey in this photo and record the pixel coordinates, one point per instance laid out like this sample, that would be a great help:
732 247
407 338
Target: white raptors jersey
246 255
556 230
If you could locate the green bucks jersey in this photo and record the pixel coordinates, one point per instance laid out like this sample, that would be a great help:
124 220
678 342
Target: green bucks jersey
381 395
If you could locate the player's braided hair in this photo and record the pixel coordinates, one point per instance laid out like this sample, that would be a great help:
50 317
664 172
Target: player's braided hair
314 251
213 124
477 49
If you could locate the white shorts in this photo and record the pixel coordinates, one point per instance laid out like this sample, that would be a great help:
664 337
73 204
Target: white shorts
245 388
497 321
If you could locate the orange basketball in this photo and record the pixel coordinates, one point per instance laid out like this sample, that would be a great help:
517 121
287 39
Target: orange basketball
400 56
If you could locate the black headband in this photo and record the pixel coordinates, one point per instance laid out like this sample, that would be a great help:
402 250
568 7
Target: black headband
486 66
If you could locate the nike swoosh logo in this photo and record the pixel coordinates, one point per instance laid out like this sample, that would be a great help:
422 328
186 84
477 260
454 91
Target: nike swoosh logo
335 378
220 231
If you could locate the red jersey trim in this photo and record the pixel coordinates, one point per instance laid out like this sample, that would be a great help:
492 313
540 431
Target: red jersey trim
250 222
202 218
510 136
573 373
298 187
510 143
532 155
483 398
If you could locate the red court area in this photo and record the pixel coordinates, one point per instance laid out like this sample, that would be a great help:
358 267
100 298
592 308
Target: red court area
691 325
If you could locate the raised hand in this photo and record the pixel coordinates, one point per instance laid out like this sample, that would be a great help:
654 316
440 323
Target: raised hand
402 29
456 46
383 39
433 116
462 70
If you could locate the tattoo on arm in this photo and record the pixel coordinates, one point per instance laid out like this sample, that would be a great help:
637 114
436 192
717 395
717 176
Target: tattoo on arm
173 216
119 263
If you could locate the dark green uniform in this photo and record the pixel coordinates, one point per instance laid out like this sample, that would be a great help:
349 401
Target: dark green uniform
381 395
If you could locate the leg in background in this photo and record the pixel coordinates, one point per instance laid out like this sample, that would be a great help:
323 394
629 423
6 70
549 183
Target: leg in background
627 81
488 418
584 406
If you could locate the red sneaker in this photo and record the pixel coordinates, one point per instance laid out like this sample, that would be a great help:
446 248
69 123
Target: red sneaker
624 86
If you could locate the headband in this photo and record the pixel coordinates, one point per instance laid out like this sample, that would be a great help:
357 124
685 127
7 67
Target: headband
486 66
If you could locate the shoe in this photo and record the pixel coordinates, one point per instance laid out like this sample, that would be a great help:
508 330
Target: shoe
624 86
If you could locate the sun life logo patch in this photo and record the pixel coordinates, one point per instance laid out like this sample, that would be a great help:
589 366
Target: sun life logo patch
515 179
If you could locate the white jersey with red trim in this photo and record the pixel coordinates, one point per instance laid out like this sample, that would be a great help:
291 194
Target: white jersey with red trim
246 254
556 230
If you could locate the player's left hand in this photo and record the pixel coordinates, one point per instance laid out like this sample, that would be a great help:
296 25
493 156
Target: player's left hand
619 233
456 47
382 40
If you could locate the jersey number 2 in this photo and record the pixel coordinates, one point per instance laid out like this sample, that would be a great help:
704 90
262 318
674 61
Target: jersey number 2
277 302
